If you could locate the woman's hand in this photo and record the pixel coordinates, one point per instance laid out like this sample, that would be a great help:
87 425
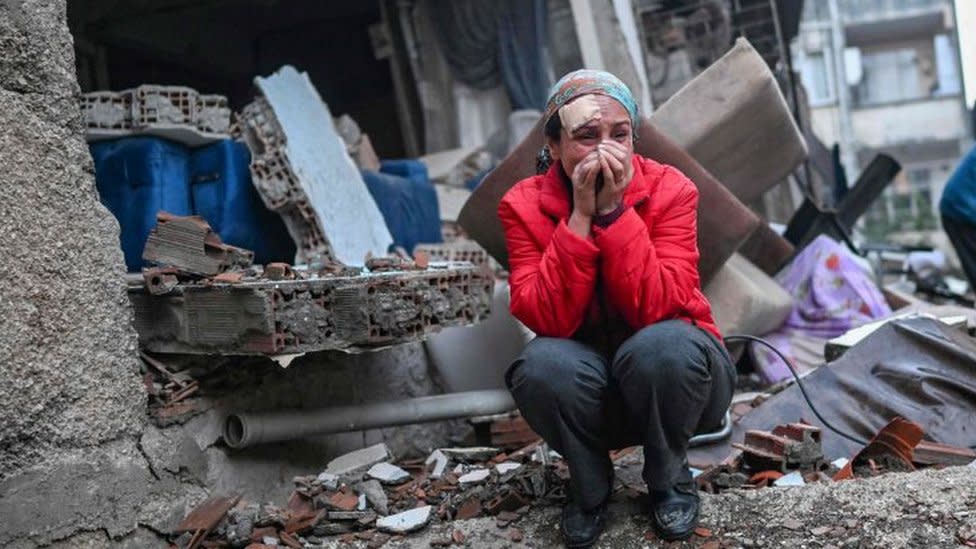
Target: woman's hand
617 170
584 194
584 185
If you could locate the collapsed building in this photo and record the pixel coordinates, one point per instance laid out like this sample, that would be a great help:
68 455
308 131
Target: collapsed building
140 408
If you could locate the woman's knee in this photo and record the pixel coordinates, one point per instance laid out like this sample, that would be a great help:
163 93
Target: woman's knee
554 368
665 352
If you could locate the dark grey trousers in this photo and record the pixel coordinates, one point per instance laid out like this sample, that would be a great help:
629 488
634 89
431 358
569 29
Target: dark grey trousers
664 384
963 238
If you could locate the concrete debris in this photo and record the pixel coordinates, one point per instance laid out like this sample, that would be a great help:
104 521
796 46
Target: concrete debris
177 113
507 467
475 476
189 245
301 167
387 473
440 460
329 481
468 455
793 479
407 521
359 459
794 445
312 312
375 495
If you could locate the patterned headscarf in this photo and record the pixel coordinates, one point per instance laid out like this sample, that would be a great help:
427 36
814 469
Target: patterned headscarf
587 81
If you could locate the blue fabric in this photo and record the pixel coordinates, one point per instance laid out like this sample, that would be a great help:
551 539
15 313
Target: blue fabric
137 177
959 196
407 199
588 81
220 183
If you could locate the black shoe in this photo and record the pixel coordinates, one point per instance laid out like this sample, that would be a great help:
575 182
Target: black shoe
674 512
582 528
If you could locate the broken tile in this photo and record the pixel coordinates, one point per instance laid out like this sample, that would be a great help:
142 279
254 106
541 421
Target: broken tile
343 501
515 535
821 530
358 459
375 495
387 473
470 509
507 466
408 521
475 476
793 479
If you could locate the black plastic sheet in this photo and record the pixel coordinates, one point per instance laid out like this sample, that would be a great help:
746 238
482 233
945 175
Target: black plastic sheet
917 368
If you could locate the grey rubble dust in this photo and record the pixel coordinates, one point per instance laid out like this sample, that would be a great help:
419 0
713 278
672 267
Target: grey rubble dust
925 509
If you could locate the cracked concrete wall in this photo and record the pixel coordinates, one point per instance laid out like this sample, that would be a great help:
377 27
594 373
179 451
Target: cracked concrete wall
71 400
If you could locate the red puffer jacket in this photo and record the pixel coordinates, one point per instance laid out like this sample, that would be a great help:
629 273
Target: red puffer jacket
641 269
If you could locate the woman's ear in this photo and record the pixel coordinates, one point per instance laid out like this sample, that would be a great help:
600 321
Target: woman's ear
553 148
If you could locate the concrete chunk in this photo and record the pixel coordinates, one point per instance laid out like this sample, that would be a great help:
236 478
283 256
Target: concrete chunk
387 473
358 459
375 495
475 453
793 479
440 461
507 466
328 481
475 476
408 521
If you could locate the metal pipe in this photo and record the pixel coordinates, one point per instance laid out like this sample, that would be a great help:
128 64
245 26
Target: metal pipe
245 429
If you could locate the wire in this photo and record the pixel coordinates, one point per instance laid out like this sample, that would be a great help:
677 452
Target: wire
799 383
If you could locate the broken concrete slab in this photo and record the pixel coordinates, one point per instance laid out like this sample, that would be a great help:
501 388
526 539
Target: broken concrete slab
336 194
387 473
257 316
475 476
375 495
507 467
405 522
359 459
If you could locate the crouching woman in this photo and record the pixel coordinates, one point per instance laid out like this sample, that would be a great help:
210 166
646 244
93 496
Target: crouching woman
604 268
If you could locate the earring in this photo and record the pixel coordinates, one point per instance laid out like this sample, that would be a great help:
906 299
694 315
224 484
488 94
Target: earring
543 160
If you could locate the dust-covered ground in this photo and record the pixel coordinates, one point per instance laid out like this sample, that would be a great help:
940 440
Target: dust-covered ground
932 508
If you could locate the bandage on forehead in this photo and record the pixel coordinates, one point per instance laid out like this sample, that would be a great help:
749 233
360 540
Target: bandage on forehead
579 112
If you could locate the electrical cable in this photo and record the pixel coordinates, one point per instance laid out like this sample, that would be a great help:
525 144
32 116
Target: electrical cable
799 383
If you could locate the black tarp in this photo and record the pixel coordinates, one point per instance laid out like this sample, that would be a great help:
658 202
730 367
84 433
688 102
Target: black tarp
917 368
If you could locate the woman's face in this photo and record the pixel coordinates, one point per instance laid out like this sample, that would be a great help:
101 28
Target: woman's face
613 125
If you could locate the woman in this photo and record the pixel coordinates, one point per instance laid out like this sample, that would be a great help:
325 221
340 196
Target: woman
603 260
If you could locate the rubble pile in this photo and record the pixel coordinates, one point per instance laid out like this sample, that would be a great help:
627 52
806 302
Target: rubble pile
364 496
793 455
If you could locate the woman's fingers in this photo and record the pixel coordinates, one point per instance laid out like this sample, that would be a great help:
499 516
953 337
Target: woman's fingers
617 168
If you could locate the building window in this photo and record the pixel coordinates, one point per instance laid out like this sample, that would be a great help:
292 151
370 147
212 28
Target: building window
948 70
816 71
888 76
